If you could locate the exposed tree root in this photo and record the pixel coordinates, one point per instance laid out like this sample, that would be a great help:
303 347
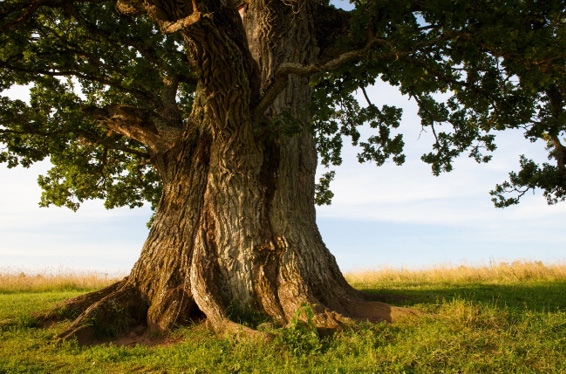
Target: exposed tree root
356 309
239 331
121 307
327 303
375 311
113 312
73 307
108 312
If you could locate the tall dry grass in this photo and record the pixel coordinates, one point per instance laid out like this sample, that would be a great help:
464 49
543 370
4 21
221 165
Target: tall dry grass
48 280
493 272
502 272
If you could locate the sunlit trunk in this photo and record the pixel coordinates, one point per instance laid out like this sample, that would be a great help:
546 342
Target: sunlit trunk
236 225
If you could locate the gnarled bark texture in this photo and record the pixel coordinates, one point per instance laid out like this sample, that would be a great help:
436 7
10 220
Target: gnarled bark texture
235 228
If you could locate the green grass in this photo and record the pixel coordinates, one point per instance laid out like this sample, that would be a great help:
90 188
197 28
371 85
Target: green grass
496 325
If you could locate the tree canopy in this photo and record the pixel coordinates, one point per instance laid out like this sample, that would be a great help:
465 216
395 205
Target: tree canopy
500 63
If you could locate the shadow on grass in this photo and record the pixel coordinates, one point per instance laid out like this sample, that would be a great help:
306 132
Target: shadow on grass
532 296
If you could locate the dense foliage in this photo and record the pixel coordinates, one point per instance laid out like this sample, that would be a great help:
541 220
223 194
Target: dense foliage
502 64
76 58
473 66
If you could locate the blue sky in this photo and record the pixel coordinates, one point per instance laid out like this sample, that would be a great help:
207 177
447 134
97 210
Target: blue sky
387 216
405 216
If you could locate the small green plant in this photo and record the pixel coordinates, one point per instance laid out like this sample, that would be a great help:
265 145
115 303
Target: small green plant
246 316
65 313
28 321
21 321
301 335
116 321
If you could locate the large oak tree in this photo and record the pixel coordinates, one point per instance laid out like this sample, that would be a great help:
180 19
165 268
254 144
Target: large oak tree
215 112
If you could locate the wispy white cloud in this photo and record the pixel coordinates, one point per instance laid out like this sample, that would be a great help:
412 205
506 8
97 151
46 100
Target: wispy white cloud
443 218
92 238
20 196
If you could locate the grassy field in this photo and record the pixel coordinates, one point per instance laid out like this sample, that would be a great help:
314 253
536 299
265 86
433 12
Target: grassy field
500 318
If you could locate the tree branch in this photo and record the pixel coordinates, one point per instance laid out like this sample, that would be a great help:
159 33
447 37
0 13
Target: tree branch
559 153
149 52
287 68
108 142
29 7
168 27
281 78
366 96
169 19
54 72
422 106
129 121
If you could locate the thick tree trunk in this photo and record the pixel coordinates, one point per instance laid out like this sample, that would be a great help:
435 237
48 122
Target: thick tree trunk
235 229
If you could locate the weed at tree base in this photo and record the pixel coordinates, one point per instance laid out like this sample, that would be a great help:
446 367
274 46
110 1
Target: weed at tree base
300 336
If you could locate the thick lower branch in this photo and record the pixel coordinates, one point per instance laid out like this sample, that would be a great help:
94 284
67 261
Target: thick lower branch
136 124
182 24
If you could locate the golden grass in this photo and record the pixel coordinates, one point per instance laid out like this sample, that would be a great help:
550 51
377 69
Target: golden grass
493 272
48 280
501 272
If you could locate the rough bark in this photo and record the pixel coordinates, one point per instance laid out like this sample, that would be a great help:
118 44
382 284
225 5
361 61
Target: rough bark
235 229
